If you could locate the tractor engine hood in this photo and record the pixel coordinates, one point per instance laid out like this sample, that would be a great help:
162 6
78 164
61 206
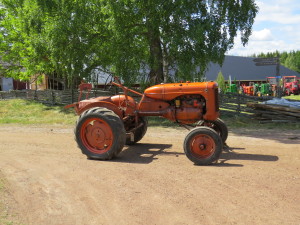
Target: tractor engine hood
168 92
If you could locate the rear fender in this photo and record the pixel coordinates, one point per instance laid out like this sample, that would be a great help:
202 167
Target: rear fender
102 104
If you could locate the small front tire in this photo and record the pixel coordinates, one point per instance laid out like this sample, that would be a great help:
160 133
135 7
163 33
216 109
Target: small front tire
203 145
218 125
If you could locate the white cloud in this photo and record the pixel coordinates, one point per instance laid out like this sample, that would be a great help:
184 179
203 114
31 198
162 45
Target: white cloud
262 35
256 47
276 27
281 12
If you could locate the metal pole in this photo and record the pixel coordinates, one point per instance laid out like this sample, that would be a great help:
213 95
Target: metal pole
278 91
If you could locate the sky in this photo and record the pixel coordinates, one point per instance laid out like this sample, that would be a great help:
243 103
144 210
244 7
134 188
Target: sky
276 27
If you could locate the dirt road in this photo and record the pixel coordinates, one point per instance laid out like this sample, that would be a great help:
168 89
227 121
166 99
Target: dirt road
50 182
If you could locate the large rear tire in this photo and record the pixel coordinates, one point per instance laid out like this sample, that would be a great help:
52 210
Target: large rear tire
100 133
138 133
203 145
218 125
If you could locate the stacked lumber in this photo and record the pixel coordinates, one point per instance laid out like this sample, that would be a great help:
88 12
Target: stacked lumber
274 113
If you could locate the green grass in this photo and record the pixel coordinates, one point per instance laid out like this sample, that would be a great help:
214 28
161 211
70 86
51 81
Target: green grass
293 97
18 111
25 112
233 121
155 121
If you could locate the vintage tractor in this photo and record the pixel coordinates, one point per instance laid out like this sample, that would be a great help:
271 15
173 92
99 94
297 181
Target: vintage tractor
290 85
274 85
231 88
106 124
265 89
248 90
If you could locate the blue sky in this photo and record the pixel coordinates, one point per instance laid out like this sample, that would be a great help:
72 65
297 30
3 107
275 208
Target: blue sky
276 27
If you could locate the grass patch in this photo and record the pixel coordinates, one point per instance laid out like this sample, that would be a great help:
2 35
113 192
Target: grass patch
155 121
25 112
19 111
233 121
293 97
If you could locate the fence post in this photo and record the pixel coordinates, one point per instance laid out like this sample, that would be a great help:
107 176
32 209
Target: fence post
238 110
221 97
53 97
35 95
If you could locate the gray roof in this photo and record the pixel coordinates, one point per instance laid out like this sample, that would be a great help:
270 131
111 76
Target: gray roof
243 68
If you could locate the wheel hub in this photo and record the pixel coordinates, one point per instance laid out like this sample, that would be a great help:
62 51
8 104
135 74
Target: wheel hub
202 147
97 135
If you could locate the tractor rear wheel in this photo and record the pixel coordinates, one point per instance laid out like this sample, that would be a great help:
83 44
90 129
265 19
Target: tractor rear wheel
203 145
100 133
139 133
218 125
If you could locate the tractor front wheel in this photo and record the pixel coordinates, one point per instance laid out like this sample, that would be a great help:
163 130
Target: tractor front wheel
100 133
203 145
218 125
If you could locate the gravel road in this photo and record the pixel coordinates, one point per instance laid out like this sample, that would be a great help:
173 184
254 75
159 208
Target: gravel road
49 181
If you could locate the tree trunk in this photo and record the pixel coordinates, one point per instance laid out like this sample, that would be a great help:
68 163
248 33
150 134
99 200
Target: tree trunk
165 64
156 58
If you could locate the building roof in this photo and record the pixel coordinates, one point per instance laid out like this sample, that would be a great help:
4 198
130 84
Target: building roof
243 68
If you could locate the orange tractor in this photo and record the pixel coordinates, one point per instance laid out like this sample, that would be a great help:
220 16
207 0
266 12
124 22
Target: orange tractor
106 124
248 90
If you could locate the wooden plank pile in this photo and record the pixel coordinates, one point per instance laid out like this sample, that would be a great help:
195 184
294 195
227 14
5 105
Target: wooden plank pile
274 113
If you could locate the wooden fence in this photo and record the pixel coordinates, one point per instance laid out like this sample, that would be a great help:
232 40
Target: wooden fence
237 103
52 97
229 103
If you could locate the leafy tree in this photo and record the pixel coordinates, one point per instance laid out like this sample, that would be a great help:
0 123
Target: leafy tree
71 38
180 35
283 57
293 61
62 37
290 60
221 82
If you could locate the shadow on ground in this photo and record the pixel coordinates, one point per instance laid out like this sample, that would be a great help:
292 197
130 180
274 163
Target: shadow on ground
232 153
145 153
